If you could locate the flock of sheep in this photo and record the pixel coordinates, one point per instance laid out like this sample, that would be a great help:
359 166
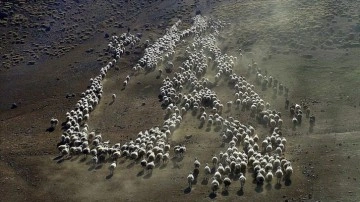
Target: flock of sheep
190 90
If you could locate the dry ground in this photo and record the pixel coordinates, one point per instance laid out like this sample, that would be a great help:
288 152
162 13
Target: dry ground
310 47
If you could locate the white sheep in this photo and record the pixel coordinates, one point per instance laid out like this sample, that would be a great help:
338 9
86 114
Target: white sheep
214 160
242 180
54 122
143 164
150 166
113 97
269 176
207 171
214 185
95 160
279 174
196 163
190 179
227 183
112 167
260 178
288 171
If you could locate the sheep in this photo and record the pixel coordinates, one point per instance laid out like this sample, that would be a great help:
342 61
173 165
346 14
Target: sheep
190 179
227 183
229 104
112 168
217 175
95 160
214 160
86 151
143 164
307 112
165 158
214 185
113 97
221 169
159 156
260 178
288 172
53 122
150 166
242 180
312 120
294 121
65 152
207 171
269 176
134 155
196 163
278 174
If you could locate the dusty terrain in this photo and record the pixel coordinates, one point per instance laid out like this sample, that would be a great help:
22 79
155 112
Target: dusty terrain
51 50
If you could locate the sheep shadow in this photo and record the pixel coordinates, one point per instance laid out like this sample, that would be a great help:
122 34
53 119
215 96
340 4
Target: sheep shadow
109 176
268 187
193 113
98 167
89 162
205 181
75 158
208 129
196 173
311 128
187 190
163 166
217 129
259 188
148 176
240 192
278 186
57 158
122 161
50 129
287 182
177 158
60 161
82 160
201 126
213 170
130 165
112 102
225 193
141 173
212 195
91 168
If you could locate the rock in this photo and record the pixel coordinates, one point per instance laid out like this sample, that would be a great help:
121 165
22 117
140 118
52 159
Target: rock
46 27
31 62
90 50
14 105
188 136
307 56
3 14
139 34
